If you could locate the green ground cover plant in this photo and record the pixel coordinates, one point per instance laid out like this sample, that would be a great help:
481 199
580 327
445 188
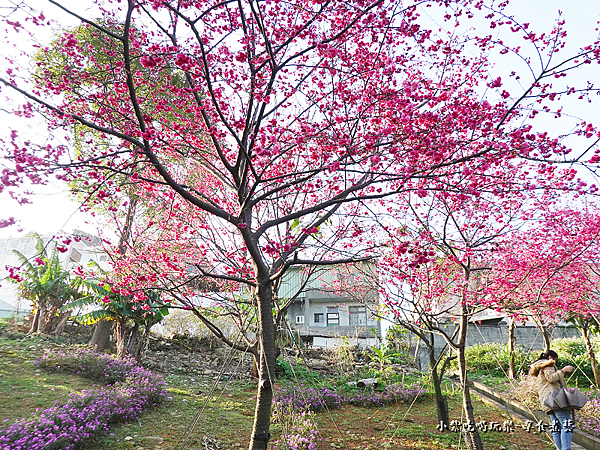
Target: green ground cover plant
24 387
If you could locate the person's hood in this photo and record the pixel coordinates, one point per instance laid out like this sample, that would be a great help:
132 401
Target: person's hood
539 365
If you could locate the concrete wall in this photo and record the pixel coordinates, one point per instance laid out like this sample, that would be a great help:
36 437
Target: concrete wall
319 342
528 337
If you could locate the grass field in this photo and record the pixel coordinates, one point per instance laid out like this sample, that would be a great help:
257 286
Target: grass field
226 420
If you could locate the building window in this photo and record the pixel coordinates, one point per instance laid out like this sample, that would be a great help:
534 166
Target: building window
358 316
319 318
299 319
333 316
75 255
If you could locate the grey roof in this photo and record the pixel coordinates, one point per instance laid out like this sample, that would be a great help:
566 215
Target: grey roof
4 306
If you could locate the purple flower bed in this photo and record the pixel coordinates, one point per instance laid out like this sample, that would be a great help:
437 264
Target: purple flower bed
392 393
94 366
588 418
300 433
66 425
302 398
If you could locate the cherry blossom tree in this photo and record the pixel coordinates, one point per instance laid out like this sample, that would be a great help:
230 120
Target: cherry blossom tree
443 259
545 272
439 264
267 134
419 297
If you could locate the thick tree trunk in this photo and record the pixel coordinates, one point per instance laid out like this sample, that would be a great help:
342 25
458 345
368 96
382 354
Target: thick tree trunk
41 322
590 351
140 345
512 370
471 434
266 367
132 338
101 338
52 320
49 321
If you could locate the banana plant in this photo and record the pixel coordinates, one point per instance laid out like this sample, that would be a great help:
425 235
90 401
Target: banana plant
43 281
381 356
133 319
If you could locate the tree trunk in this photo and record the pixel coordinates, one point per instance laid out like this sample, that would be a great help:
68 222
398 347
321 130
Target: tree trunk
141 344
547 338
471 434
48 323
440 401
590 351
131 209
512 370
417 348
120 335
35 321
62 322
101 338
132 338
262 415
41 322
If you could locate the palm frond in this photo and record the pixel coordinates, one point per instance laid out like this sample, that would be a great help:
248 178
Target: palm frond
93 317
80 303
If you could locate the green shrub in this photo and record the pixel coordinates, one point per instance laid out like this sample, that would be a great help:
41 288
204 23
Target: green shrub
568 346
299 371
571 351
492 359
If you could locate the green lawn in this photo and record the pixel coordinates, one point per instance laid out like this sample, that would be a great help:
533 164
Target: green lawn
227 417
